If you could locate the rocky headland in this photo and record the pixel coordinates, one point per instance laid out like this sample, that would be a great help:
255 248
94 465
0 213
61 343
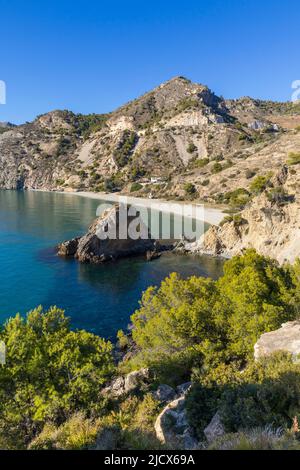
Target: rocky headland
95 247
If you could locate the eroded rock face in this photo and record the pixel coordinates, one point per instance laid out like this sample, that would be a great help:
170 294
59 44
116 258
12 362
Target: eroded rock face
92 249
270 224
286 338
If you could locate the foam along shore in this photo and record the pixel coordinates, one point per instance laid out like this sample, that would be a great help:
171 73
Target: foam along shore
210 215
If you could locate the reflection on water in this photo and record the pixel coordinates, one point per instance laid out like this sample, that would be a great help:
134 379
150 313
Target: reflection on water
98 298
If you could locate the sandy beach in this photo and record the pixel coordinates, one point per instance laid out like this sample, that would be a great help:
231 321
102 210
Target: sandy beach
210 215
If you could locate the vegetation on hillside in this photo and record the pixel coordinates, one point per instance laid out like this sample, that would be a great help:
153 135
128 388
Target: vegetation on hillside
52 385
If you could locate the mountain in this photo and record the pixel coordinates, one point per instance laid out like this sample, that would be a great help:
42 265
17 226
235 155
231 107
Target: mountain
179 140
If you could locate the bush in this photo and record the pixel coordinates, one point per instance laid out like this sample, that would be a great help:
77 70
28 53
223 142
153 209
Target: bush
125 148
50 373
77 433
135 187
200 162
216 168
190 189
279 195
293 158
187 323
267 438
266 392
236 199
191 148
260 183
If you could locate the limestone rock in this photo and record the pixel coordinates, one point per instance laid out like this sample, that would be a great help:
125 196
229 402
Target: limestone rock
214 429
270 224
68 248
124 384
182 389
171 426
136 379
286 338
164 393
91 248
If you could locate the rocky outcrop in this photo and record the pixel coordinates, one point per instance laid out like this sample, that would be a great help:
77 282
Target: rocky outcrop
286 338
93 248
164 393
214 429
122 385
172 428
270 223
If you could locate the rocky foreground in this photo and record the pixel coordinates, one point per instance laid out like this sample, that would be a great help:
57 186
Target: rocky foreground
171 427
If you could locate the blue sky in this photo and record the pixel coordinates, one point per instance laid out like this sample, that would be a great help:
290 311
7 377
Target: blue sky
92 56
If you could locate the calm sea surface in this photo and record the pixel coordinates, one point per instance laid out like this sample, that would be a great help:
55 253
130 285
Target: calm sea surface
97 298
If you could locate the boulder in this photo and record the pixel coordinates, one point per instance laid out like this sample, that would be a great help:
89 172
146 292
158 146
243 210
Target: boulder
68 248
172 428
122 385
136 379
164 393
183 388
214 429
93 247
286 338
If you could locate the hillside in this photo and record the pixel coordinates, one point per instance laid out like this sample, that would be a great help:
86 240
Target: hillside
176 134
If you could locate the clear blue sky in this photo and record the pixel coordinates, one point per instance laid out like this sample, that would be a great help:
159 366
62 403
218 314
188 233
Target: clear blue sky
92 56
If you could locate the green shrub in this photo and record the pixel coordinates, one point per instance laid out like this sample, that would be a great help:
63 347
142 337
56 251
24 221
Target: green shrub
190 189
200 162
135 187
216 168
293 158
191 148
125 148
265 392
50 372
236 199
77 433
260 183
185 323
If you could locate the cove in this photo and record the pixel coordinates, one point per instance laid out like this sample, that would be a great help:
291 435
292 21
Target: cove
97 298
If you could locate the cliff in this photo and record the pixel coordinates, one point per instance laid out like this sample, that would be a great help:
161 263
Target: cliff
269 223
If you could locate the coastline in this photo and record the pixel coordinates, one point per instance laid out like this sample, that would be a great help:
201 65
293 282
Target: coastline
209 214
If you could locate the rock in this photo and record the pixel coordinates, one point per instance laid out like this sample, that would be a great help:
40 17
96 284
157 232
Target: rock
151 255
286 338
183 388
122 385
91 248
136 379
164 393
214 429
269 224
68 248
172 429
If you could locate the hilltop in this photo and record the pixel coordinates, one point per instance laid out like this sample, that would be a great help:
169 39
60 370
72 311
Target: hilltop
179 140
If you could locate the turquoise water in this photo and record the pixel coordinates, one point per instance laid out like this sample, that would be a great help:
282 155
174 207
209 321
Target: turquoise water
97 298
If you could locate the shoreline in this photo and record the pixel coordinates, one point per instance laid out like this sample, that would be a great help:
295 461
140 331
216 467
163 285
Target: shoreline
208 214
